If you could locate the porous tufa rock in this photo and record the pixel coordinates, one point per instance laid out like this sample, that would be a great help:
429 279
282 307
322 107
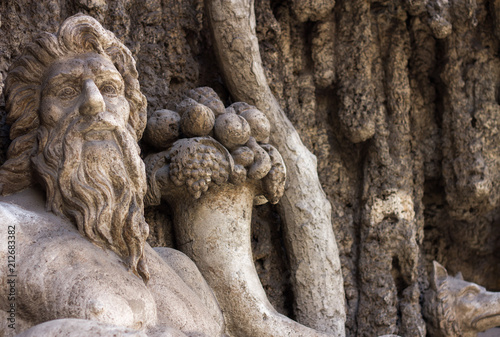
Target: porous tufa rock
231 130
441 27
207 96
162 128
197 119
312 10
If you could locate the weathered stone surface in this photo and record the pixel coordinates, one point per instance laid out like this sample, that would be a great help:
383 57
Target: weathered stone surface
449 172
77 112
313 253
454 307
211 194
65 275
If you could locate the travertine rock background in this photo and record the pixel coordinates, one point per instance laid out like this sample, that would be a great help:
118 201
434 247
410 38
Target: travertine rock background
399 101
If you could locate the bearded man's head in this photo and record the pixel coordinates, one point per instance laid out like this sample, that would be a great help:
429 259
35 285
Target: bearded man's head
76 110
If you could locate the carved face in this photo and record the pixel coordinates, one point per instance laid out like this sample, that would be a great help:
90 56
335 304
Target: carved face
475 307
86 86
88 157
454 307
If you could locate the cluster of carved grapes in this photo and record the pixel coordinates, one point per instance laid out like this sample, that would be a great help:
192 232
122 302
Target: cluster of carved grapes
207 143
197 170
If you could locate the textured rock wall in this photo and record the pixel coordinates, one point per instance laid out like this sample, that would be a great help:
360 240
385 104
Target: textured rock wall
399 101
411 172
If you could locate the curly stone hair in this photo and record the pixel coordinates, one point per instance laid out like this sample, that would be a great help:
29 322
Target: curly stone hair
78 34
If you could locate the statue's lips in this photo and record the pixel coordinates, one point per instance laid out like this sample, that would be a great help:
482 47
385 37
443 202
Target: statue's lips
487 321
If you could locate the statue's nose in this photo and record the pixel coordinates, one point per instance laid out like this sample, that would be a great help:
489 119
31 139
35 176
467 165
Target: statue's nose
93 103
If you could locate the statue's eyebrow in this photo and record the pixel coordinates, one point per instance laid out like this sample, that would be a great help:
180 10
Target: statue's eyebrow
61 77
76 74
111 75
471 287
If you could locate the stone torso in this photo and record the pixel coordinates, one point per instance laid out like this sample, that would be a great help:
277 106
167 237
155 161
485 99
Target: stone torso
60 274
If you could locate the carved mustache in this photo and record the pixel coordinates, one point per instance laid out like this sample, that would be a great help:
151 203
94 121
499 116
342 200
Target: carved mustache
99 123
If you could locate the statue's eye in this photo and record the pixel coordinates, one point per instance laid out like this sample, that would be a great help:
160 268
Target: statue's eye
109 90
67 93
470 292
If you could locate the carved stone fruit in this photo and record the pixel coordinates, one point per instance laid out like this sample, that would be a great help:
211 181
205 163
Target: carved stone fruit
230 110
232 130
196 162
274 181
258 121
239 175
262 162
162 128
259 124
197 119
207 96
239 107
243 156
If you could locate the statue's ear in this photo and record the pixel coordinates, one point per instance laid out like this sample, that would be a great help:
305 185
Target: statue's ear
459 276
439 274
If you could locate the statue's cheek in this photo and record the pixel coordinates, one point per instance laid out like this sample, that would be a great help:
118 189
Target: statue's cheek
119 108
52 110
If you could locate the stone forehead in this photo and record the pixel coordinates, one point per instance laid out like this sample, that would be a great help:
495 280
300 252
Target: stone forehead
457 285
82 65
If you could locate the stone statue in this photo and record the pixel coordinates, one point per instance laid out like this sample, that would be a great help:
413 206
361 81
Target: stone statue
77 112
212 185
454 307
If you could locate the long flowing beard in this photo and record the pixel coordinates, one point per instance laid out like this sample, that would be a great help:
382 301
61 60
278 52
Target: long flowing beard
100 185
